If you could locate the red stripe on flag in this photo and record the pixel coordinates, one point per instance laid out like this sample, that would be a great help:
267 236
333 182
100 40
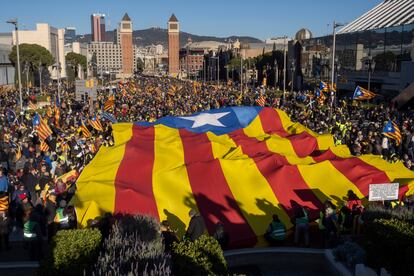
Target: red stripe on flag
356 170
285 179
213 196
133 182
303 143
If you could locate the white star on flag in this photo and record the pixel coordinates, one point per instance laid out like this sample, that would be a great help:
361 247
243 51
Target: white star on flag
206 119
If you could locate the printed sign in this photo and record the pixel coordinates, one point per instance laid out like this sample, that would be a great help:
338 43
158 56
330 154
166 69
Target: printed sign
85 90
386 191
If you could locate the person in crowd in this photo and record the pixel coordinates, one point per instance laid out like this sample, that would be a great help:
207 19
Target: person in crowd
221 236
168 236
276 231
301 222
196 227
329 223
4 221
4 182
50 212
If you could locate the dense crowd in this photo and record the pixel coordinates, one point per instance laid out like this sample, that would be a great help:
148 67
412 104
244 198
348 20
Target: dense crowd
37 176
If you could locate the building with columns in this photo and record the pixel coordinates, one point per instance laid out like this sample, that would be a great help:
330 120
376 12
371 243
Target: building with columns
173 46
52 39
127 49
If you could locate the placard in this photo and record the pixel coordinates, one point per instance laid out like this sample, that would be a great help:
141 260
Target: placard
386 191
85 90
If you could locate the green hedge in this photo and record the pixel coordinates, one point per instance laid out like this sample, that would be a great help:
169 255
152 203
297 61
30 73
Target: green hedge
375 211
202 257
390 244
73 252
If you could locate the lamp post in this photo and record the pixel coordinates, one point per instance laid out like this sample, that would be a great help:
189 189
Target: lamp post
334 26
26 70
276 73
284 68
292 70
15 23
40 76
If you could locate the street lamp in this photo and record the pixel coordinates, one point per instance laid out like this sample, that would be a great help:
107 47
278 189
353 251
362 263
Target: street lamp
284 68
276 73
334 26
26 69
292 69
15 23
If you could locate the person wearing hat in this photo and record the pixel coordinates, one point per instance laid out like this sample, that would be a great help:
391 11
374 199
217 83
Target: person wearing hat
196 227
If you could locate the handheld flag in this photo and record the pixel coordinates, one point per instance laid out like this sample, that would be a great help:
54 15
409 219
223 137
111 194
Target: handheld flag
32 105
362 94
85 131
392 131
44 146
57 111
323 86
110 103
42 128
95 123
109 117
261 101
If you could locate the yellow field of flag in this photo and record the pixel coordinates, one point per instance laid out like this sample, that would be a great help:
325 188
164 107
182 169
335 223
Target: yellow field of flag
235 165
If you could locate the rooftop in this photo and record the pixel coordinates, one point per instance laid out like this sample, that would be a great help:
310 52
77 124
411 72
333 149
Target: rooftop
388 13
173 18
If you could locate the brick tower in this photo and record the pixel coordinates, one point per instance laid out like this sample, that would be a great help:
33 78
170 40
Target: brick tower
173 46
125 33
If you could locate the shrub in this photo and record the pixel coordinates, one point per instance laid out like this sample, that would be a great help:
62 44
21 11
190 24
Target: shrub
133 247
350 253
73 252
375 211
390 244
202 257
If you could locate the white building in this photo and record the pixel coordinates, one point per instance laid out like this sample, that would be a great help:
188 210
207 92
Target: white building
6 68
49 37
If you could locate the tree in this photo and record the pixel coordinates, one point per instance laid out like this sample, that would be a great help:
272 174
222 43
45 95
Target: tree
35 56
73 60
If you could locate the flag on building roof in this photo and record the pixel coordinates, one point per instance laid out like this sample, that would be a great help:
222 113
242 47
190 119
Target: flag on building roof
261 101
363 94
42 128
109 117
236 165
110 103
96 123
391 130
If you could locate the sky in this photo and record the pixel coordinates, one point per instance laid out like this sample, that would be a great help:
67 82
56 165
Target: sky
258 18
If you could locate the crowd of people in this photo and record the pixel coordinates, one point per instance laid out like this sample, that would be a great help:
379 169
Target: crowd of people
39 168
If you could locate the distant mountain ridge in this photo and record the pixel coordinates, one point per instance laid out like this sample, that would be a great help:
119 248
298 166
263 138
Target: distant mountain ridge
160 36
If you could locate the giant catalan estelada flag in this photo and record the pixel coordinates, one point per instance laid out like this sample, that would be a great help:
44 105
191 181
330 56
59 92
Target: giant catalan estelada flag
235 165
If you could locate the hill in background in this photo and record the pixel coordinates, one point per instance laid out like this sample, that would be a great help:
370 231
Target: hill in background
160 36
